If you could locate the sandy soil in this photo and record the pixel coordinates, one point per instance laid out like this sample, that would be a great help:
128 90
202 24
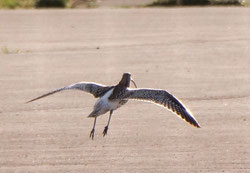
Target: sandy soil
201 55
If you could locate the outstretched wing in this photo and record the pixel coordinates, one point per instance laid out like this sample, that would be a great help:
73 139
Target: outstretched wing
95 89
162 97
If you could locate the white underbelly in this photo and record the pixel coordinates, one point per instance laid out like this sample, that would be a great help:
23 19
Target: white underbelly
104 105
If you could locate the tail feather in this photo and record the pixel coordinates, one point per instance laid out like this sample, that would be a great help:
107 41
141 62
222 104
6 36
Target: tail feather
93 114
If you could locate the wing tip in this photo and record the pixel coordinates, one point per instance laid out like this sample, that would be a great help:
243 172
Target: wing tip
32 100
193 122
29 101
191 119
196 125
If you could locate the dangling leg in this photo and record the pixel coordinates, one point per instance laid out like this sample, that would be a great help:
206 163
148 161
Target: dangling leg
105 131
92 133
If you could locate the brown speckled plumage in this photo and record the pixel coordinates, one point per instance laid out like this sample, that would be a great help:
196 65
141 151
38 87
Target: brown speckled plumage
113 97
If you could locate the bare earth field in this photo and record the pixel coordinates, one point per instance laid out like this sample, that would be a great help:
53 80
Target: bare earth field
201 55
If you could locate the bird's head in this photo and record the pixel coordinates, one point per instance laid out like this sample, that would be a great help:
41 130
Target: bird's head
126 78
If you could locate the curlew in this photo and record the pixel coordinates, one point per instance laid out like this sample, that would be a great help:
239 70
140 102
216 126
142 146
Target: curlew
113 97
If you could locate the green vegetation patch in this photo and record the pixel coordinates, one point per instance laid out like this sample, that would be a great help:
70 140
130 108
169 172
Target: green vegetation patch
225 2
158 3
51 3
12 4
162 3
6 50
9 4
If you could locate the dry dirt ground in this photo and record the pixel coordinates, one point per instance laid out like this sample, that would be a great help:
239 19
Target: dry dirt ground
201 55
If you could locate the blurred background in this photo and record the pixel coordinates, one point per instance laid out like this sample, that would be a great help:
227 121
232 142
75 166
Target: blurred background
114 3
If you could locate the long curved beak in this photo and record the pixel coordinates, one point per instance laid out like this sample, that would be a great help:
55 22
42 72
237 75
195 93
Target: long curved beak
132 80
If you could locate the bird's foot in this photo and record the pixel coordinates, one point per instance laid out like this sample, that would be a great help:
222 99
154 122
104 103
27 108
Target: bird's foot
105 131
92 133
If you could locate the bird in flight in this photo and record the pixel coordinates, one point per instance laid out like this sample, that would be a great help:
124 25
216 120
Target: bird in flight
113 97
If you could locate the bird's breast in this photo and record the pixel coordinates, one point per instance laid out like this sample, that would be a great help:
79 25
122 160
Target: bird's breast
105 103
